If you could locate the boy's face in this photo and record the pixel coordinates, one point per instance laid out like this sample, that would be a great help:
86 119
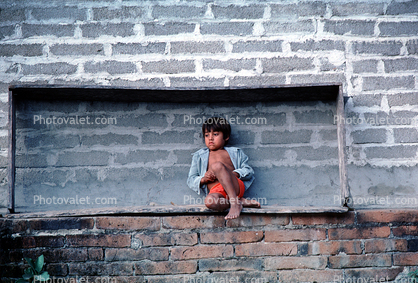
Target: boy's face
214 140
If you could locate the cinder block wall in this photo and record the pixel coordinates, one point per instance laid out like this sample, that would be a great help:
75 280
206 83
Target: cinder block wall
370 47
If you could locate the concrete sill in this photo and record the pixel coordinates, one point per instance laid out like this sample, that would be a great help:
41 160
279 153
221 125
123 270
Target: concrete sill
174 210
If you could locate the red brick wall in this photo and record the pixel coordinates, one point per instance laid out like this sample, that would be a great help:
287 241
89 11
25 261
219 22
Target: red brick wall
366 244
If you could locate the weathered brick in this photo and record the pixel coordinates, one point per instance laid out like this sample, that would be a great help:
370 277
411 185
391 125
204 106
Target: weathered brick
122 13
403 99
169 28
100 240
77 49
128 223
178 11
314 219
100 269
359 233
139 48
57 269
60 13
166 267
155 254
113 29
385 245
246 264
350 27
402 259
286 137
26 50
169 66
235 65
263 249
403 231
182 82
93 158
309 262
334 247
9 14
324 78
190 222
386 48
369 136
6 31
301 9
371 274
61 223
288 235
398 8
108 140
167 239
238 12
320 153
95 254
281 64
401 151
190 47
368 260
258 220
139 83
386 83
201 251
300 275
398 28
387 216
227 28
412 46
257 81
141 156
231 237
298 27
45 141
61 30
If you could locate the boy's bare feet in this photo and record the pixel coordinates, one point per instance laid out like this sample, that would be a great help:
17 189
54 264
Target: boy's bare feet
234 210
250 203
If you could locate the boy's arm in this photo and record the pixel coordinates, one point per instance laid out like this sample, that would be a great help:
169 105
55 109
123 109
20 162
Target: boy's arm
244 170
193 179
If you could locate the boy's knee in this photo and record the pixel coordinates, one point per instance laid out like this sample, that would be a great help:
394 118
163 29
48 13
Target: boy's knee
217 166
211 202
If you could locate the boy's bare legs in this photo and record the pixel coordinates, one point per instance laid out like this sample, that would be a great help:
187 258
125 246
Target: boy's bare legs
230 184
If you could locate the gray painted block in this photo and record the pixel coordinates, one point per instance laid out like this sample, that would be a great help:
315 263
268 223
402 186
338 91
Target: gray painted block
177 11
350 27
77 49
111 67
257 81
403 64
386 83
398 8
365 66
369 136
120 13
189 47
138 48
196 82
387 48
405 135
356 9
323 153
328 135
169 28
239 138
60 13
231 64
300 26
51 141
27 50
9 14
403 99
138 156
388 152
227 28
169 66
314 117
96 30
367 100
29 30
322 45
49 69
6 31
169 137
266 153
301 9
257 46
281 64
398 28
78 158
31 160
143 121
412 46
110 139
139 83
286 137
238 12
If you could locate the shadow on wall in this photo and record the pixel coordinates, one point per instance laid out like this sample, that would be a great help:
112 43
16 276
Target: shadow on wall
73 155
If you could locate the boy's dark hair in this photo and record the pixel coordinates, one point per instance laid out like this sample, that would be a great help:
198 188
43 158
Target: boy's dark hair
217 124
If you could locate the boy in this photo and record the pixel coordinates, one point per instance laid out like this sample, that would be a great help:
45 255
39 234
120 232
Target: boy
221 170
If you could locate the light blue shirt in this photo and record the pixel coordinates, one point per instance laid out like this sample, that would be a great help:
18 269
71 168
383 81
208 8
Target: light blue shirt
200 162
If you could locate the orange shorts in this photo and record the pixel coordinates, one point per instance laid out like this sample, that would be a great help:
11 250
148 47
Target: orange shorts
220 190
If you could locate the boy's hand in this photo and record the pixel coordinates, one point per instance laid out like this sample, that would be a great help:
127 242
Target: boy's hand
208 178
